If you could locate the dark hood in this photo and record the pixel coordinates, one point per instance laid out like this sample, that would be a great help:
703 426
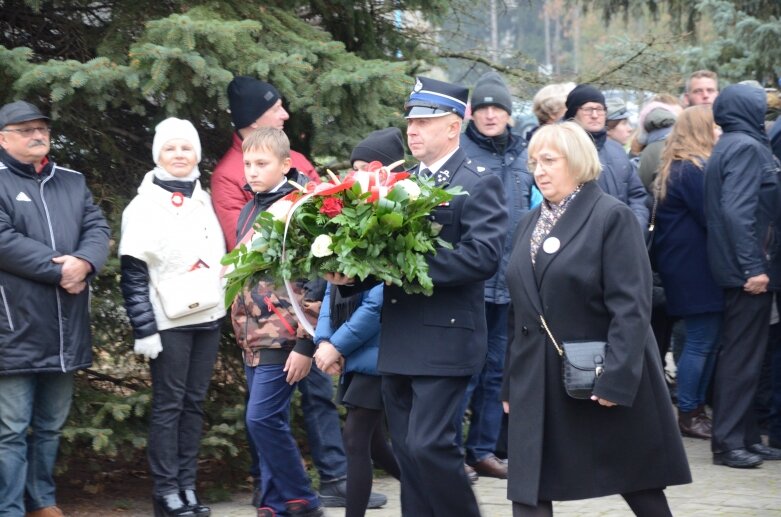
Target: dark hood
741 109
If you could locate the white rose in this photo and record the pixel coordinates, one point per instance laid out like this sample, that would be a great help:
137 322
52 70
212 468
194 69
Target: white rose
412 188
322 246
280 209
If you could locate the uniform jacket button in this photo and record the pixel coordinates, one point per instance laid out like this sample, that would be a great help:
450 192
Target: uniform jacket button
452 320
393 300
525 330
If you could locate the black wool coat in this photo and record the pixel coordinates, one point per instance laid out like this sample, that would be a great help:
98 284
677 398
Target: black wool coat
595 286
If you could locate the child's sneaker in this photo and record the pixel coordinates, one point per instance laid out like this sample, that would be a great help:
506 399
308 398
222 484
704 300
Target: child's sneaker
300 508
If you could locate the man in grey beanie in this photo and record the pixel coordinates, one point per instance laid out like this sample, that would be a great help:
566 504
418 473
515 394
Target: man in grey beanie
491 145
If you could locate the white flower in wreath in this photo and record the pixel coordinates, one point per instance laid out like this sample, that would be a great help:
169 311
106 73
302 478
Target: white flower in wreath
412 188
280 209
321 247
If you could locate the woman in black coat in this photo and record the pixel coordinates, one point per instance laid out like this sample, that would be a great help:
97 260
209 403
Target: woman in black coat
579 259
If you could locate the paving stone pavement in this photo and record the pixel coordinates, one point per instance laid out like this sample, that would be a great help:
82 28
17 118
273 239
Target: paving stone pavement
716 491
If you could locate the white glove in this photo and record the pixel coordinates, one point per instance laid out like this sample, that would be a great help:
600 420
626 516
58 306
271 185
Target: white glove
149 346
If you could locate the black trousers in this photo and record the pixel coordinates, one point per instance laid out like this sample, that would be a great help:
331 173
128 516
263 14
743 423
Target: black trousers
744 335
180 380
421 418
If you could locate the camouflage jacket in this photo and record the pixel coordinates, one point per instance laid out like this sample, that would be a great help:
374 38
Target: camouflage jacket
265 325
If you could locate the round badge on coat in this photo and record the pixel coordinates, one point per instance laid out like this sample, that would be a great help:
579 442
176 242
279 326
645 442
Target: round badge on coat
551 245
177 199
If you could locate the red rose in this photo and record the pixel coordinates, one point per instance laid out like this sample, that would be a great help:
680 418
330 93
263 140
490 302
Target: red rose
331 206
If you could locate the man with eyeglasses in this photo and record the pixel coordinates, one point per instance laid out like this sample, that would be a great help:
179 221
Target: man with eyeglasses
53 239
586 105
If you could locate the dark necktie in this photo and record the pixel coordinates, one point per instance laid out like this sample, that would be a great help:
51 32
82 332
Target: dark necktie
424 173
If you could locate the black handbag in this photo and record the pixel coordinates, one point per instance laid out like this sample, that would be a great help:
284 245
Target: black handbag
582 362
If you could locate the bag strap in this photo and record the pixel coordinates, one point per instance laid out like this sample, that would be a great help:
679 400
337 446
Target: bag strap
550 335
657 189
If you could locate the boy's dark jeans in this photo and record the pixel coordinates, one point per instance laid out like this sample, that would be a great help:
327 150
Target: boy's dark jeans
283 477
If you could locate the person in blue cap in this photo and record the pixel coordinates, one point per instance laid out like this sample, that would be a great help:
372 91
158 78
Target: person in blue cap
430 346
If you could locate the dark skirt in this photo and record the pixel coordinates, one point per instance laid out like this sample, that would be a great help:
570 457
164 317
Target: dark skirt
361 390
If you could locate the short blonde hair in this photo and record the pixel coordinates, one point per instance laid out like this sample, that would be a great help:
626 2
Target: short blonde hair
550 101
268 139
572 141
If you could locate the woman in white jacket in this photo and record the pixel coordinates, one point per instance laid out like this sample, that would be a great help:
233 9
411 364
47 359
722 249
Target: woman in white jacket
170 253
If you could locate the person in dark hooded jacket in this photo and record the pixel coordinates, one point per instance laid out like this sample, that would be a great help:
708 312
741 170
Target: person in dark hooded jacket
742 201
586 105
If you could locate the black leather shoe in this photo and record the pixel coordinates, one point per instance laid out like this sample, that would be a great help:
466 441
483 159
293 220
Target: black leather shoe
333 494
191 500
737 458
765 452
171 505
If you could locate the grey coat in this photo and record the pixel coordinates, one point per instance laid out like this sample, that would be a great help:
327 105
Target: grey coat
596 286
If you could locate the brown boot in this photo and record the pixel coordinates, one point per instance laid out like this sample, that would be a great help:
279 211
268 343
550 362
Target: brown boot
691 425
49 511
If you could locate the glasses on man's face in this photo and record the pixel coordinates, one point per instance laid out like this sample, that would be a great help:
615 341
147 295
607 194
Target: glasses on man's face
27 132
545 161
599 110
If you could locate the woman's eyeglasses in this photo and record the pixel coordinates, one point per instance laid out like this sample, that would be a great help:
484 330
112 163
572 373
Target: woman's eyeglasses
545 161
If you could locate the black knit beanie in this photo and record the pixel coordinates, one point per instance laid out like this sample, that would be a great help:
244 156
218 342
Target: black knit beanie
249 98
490 90
384 145
579 96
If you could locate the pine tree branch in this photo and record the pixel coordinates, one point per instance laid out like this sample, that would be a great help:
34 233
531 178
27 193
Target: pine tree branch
621 65
476 58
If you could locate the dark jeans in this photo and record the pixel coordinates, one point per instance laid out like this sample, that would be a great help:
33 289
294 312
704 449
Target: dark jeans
698 358
282 475
33 409
743 340
180 380
323 428
483 393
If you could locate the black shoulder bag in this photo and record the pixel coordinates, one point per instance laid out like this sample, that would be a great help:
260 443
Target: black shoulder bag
582 362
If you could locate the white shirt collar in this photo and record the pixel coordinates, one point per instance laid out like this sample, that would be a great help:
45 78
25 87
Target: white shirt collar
434 167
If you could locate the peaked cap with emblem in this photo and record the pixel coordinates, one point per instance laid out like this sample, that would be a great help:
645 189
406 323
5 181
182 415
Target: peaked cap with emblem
431 98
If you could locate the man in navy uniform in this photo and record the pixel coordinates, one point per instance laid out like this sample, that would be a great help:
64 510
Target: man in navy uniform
432 345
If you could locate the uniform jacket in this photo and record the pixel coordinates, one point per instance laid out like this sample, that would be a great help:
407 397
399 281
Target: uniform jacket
517 183
42 216
595 286
170 234
680 251
741 191
358 338
227 186
445 333
619 179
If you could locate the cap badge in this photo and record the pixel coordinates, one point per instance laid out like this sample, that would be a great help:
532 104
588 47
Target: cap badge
418 86
488 99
